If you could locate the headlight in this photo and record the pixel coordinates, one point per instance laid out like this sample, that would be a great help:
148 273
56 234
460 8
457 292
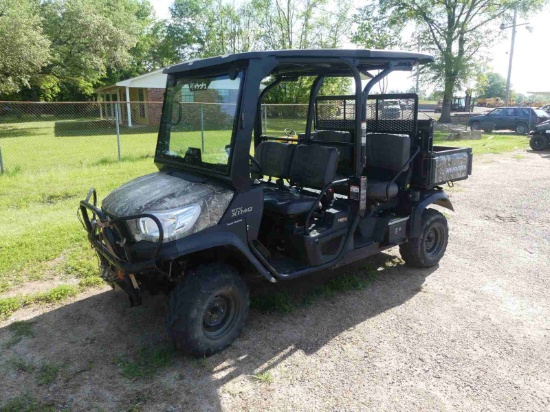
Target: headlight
174 223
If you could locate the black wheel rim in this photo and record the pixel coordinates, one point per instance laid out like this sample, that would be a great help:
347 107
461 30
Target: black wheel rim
433 243
538 142
220 315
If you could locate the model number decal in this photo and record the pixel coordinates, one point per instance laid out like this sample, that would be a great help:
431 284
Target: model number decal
240 211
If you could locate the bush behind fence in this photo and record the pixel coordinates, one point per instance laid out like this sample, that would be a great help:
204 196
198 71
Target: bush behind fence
43 136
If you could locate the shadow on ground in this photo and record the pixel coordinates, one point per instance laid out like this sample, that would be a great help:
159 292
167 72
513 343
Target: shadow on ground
91 348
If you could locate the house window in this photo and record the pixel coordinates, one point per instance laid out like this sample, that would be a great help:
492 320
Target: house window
141 98
187 96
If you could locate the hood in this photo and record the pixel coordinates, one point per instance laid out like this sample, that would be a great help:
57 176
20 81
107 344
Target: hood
161 191
544 125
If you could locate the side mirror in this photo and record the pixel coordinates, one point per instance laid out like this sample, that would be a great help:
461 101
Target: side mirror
228 149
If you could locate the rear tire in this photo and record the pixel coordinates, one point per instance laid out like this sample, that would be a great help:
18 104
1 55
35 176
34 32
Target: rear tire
539 142
521 128
428 249
208 310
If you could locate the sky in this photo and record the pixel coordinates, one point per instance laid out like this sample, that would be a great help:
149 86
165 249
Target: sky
531 64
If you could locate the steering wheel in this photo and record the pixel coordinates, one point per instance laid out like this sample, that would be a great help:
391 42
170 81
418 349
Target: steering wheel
256 164
289 132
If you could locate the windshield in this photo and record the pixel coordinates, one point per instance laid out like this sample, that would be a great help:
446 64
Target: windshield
541 113
199 116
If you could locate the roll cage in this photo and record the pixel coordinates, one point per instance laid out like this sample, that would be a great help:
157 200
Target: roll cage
288 65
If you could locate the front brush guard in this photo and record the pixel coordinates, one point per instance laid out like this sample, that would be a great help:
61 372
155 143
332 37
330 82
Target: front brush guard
107 239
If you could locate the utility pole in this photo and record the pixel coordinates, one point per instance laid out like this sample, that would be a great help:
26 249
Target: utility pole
507 100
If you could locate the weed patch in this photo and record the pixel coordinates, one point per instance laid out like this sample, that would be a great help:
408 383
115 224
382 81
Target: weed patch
25 403
264 377
148 361
20 330
283 302
47 373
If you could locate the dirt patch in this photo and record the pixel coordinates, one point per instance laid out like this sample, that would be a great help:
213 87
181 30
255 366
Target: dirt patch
471 334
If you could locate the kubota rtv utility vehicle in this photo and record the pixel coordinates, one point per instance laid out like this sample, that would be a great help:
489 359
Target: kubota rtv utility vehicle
232 201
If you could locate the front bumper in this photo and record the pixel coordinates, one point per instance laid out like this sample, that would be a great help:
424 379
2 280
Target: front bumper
108 236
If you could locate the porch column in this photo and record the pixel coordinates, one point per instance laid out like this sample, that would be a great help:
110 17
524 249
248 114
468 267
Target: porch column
128 107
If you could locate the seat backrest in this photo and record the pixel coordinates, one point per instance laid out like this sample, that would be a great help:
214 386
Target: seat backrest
345 161
314 166
275 158
388 151
332 136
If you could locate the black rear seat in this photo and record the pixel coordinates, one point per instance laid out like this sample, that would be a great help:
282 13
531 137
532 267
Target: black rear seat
386 156
345 162
311 166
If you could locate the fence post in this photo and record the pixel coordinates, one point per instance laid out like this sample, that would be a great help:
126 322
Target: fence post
202 127
117 116
1 162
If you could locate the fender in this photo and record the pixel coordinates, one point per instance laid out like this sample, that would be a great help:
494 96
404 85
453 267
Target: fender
209 239
439 198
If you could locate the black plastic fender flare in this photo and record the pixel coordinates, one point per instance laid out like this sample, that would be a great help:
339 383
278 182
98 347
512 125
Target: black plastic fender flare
439 198
202 241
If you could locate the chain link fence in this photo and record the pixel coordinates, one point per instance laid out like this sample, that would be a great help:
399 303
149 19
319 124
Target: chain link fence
37 136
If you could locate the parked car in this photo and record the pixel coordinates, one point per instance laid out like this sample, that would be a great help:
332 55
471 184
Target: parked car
546 108
520 119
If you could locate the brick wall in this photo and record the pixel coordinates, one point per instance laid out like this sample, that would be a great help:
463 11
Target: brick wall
155 109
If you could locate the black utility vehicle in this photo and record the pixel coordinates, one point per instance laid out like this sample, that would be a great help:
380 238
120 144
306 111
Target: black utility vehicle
540 137
519 119
357 179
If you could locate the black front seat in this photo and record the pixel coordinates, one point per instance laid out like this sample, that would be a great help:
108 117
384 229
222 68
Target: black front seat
312 166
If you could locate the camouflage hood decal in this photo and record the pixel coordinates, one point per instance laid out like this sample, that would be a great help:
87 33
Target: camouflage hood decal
158 192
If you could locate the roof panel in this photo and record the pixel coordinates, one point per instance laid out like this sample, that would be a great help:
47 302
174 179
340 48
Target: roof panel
365 57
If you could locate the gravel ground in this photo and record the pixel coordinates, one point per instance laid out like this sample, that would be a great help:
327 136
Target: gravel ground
471 334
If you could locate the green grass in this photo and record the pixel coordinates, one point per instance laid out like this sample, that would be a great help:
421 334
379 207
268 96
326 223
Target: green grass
147 362
8 305
284 303
494 143
25 403
20 330
47 373
264 377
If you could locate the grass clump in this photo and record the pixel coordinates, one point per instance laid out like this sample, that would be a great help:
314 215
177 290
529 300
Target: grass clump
20 330
280 302
47 373
148 361
283 302
58 294
25 403
264 377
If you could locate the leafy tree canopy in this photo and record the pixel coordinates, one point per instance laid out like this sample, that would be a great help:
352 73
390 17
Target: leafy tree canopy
24 49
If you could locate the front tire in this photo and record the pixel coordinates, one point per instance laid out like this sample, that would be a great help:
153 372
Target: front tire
208 310
428 249
539 142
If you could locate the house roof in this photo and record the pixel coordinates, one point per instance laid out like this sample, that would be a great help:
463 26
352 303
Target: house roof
152 80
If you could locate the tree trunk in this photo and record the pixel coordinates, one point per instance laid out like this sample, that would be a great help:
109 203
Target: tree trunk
447 99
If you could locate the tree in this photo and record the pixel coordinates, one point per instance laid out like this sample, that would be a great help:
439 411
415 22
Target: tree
455 31
88 38
24 49
492 84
